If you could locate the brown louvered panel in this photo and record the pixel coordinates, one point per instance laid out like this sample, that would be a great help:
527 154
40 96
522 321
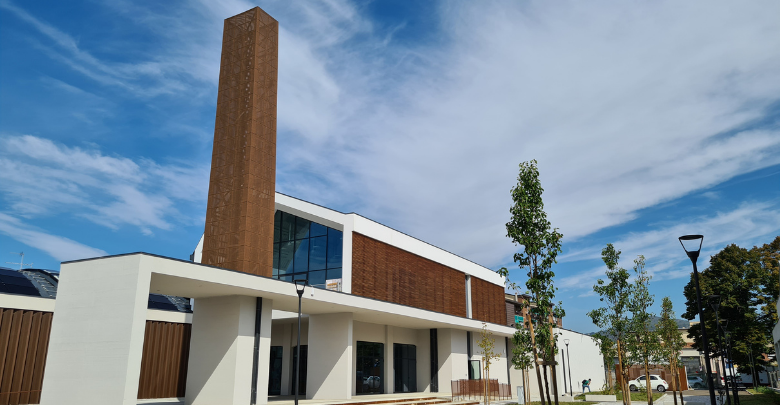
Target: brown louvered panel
24 338
487 301
164 360
240 212
387 273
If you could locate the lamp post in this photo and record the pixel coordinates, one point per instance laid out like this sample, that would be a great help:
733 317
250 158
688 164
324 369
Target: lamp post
564 368
715 303
733 377
300 285
564 371
694 256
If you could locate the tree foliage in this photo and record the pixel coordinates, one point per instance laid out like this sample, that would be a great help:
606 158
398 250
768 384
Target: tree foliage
672 342
747 282
642 342
487 344
529 228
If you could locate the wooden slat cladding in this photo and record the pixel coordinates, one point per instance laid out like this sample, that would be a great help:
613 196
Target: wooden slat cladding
387 273
164 360
487 302
24 340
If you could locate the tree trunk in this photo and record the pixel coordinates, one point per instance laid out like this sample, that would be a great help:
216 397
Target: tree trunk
536 360
648 384
675 380
546 384
623 382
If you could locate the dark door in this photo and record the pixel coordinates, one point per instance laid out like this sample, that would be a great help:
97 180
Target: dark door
369 372
405 366
304 357
275 371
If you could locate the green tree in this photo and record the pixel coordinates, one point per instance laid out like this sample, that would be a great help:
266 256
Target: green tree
521 354
672 343
529 227
743 279
487 344
608 351
613 319
643 343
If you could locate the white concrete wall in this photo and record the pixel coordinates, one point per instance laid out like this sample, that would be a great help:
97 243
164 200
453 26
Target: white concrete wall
423 360
453 358
221 351
97 335
330 363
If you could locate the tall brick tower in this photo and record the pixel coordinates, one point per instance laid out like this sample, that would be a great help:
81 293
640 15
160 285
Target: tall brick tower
240 213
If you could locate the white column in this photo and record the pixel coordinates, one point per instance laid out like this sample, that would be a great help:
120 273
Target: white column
424 360
389 359
453 358
97 334
330 373
221 349
264 350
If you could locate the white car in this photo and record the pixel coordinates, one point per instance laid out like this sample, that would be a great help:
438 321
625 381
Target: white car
695 382
656 383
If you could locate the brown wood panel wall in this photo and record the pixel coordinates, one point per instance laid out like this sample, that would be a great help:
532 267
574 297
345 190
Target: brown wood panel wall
387 273
487 301
24 340
164 361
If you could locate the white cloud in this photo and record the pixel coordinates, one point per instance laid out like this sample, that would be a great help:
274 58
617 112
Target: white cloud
39 177
62 249
746 226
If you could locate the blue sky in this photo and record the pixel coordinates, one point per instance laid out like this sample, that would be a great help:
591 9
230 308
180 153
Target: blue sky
649 120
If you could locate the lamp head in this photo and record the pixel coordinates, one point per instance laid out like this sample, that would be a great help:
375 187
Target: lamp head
300 285
714 301
689 242
566 341
725 325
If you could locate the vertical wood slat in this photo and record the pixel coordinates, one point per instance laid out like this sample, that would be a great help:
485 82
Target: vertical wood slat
164 362
24 339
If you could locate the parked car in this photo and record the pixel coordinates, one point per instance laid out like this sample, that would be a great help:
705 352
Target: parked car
695 382
656 383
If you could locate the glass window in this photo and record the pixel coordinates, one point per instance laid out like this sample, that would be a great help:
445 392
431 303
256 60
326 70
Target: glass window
287 227
475 371
286 251
277 225
317 230
317 250
306 249
334 274
301 256
334 248
317 278
369 368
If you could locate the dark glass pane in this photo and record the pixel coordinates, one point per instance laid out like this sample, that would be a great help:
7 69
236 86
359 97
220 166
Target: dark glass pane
334 274
317 253
301 228
288 227
317 230
369 368
277 225
317 278
276 260
288 277
334 248
286 251
301 256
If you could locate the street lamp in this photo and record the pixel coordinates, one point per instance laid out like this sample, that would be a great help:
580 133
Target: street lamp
300 285
564 369
715 303
694 256
564 372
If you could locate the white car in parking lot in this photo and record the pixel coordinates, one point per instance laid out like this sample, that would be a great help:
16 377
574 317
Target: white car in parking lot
656 383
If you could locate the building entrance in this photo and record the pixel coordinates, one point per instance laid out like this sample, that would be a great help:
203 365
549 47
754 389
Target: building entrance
370 365
275 371
405 366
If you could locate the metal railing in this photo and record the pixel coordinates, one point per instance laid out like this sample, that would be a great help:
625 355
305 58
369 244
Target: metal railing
476 389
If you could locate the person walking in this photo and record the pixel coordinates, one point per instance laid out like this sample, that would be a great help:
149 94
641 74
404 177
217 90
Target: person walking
586 384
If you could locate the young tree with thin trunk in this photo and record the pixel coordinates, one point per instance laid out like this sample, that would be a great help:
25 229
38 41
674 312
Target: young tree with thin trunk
643 342
613 318
672 344
521 355
541 243
487 344
608 353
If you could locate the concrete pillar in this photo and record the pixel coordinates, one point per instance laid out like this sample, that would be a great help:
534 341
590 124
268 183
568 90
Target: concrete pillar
424 360
264 350
453 358
389 366
221 351
330 373
97 335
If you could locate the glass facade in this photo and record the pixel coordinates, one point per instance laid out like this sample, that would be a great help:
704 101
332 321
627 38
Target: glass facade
306 250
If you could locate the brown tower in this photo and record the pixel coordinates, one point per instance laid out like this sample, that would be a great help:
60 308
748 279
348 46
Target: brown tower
240 215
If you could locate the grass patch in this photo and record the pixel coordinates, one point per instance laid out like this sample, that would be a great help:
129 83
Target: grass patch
759 398
635 395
